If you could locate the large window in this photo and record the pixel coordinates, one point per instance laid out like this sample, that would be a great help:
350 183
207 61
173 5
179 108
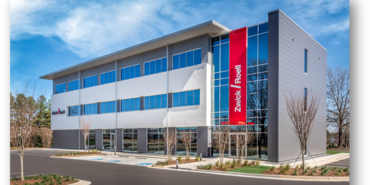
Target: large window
108 77
130 72
91 81
90 108
130 104
155 140
107 107
73 85
186 59
130 140
155 101
186 133
155 66
74 110
186 98
305 60
90 141
60 88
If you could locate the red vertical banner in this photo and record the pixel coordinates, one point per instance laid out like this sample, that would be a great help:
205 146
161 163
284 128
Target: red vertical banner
238 76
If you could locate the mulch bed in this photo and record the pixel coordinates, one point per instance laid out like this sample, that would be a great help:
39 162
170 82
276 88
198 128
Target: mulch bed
183 161
82 155
40 181
225 167
299 172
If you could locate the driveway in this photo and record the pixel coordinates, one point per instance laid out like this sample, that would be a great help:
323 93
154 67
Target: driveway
38 162
342 163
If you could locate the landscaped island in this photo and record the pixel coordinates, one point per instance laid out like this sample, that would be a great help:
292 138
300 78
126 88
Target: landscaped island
44 180
179 160
77 154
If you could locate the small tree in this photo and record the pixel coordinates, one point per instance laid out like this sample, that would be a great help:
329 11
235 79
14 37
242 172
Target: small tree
302 113
169 140
186 138
46 136
23 109
221 140
33 136
85 125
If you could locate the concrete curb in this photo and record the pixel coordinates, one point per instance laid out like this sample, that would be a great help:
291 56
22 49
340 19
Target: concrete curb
278 177
81 182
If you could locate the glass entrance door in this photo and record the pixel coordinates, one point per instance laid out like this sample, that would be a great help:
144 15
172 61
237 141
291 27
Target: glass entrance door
237 144
108 139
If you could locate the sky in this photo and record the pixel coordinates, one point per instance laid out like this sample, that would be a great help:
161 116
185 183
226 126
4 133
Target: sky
49 35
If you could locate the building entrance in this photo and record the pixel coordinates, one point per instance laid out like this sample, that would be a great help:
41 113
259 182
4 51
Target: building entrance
237 143
108 139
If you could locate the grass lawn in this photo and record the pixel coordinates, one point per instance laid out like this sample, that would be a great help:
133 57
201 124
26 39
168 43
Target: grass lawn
251 169
335 152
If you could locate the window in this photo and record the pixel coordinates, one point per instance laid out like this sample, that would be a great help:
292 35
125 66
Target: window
187 59
74 110
130 72
108 77
60 88
186 98
73 85
155 102
305 60
190 132
90 108
130 104
305 99
107 107
91 81
129 140
155 66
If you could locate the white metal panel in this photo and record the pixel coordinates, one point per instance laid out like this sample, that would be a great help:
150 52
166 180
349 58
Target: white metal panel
100 93
101 121
62 101
153 118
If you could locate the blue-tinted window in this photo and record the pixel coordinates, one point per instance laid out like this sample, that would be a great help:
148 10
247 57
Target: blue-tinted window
225 57
216 40
90 81
73 85
225 74
252 70
252 77
224 81
164 100
262 68
216 58
182 60
158 101
132 72
263 49
196 97
263 28
164 64
224 98
107 77
252 51
217 99
158 67
262 94
147 102
190 98
137 103
305 60
137 70
127 105
152 67
74 110
252 30
217 76
108 107
130 104
262 76
225 38
127 72
152 102
176 99
176 61
197 56
182 98
146 65
190 58
217 82
60 88
90 109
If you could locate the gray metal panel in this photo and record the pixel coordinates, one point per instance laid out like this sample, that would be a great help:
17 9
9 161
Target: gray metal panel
169 101
292 79
142 140
273 86
64 79
99 139
203 140
187 45
118 106
169 60
119 139
142 103
65 139
155 54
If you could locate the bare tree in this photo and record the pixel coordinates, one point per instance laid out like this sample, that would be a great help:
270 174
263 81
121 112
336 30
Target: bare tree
85 125
169 138
302 112
46 136
239 140
186 138
24 113
33 136
338 95
221 140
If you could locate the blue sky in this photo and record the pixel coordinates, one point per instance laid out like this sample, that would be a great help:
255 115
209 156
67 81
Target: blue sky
48 35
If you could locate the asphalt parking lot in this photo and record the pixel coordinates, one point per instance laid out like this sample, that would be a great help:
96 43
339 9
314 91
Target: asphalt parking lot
38 162
342 163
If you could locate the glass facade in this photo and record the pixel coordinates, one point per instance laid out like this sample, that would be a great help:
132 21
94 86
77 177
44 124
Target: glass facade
130 140
186 98
155 141
91 81
186 59
130 104
108 139
90 141
186 135
130 72
155 101
90 108
155 66
60 88
73 85
74 110
108 77
257 84
108 107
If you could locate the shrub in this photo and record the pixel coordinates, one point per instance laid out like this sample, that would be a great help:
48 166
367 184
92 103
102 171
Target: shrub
51 183
27 184
308 167
345 169
232 165
209 166
272 168
227 162
222 166
337 173
246 163
282 170
315 167
314 171
37 183
217 163
59 182
238 162
340 170
197 158
311 174
347 173
258 163
179 159
187 158
252 163
287 167
295 172
323 168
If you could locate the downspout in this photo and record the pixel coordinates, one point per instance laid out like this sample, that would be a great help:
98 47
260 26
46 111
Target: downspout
115 138
79 108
